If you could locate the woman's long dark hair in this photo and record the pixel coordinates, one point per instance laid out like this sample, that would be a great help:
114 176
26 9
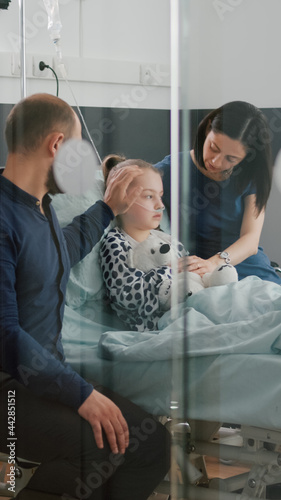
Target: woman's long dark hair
243 122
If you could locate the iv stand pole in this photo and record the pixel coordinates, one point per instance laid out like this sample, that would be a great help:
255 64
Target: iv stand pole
22 48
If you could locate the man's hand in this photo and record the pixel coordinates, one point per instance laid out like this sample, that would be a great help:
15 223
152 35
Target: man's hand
117 196
103 414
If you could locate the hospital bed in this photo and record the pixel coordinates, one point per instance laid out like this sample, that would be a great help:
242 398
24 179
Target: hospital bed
240 388
224 388
214 361
225 370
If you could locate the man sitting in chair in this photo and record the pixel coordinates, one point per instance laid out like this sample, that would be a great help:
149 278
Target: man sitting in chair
82 435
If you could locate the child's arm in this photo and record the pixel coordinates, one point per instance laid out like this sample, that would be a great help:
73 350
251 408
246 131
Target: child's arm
128 287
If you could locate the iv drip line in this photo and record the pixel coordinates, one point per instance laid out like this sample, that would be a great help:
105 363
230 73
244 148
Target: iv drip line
54 28
79 110
63 72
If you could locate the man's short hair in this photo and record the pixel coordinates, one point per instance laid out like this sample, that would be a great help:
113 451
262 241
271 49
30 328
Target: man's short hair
33 118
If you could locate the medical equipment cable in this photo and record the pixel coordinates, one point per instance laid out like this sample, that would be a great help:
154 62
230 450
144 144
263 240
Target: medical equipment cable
4 4
42 66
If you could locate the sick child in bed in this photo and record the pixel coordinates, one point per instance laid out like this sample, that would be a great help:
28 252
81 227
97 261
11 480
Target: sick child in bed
139 298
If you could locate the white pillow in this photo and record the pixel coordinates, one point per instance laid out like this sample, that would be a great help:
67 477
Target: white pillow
85 282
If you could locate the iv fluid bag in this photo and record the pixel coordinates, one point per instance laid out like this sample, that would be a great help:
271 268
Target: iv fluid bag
54 23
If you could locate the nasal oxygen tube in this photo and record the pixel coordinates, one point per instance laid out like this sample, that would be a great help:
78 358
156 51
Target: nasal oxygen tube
54 28
157 210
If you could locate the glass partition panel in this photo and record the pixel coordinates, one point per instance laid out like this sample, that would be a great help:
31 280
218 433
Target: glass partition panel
182 470
141 93
228 139
120 80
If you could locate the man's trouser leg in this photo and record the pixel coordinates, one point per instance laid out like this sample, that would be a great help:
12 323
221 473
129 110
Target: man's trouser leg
70 462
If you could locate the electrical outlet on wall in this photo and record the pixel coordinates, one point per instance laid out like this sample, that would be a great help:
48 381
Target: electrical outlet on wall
155 74
75 63
15 64
36 71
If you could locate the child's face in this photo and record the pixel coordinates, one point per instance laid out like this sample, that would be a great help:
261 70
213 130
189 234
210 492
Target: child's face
142 214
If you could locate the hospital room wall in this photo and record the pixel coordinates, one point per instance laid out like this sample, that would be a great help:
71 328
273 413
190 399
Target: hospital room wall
232 52
107 47
233 49
121 35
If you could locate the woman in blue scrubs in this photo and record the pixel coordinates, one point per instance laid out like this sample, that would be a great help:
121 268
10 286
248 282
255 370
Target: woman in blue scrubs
230 181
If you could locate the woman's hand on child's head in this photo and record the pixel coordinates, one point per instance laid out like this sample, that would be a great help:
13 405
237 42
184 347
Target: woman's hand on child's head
117 195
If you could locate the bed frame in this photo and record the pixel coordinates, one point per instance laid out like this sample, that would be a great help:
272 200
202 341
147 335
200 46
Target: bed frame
257 448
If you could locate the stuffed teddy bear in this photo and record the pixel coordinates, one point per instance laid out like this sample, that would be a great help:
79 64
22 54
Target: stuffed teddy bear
157 251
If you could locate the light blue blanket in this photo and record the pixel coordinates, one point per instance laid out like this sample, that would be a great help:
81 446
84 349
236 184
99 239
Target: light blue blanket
221 382
239 318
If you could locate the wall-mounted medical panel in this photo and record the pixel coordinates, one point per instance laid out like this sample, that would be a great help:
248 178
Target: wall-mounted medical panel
88 70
